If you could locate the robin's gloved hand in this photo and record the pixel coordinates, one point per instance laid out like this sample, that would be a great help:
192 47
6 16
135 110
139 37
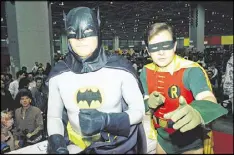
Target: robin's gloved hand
155 99
185 117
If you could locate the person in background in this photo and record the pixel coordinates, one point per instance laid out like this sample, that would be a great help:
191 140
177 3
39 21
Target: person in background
7 102
6 127
3 77
134 65
4 139
40 95
32 82
228 80
8 80
201 59
35 67
40 73
14 85
41 65
24 69
28 121
213 81
48 68
24 83
212 68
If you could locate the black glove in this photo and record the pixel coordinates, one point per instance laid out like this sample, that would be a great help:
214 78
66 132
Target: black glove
57 145
93 121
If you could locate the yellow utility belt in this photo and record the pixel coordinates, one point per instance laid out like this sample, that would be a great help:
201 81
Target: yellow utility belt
76 138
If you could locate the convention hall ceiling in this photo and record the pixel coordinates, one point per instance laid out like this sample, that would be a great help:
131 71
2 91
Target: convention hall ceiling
129 19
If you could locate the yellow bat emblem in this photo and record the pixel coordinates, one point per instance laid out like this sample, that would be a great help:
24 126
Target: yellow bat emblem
89 98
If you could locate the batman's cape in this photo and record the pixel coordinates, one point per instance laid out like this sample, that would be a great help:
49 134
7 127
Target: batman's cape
113 61
136 141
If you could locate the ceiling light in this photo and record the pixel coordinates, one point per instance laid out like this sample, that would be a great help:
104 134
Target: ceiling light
231 18
51 3
111 2
1 19
223 16
178 13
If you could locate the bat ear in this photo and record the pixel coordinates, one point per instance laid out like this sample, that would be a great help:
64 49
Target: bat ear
65 20
98 17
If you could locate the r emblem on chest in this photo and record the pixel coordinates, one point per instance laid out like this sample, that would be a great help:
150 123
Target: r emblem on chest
174 92
89 98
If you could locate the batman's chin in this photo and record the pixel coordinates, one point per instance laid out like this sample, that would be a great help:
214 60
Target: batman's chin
93 105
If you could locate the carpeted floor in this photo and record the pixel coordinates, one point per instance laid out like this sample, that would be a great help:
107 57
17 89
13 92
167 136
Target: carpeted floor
223 143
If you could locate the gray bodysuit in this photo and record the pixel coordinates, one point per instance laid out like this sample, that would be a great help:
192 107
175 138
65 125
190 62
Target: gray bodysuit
102 89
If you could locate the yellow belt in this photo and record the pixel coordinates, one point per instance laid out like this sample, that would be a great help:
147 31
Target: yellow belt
76 138
162 122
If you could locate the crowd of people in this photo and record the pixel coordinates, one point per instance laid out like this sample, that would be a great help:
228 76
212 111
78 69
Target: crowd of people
23 107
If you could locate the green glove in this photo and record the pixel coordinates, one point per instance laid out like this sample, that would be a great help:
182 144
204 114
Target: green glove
155 99
185 117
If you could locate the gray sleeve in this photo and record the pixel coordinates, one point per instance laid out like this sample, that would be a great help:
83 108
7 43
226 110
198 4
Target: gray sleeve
55 109
194 79
133 97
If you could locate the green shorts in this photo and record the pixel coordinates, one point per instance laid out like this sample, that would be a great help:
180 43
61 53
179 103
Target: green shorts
178 142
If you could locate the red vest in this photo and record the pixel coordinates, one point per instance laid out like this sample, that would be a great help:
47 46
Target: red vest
170 86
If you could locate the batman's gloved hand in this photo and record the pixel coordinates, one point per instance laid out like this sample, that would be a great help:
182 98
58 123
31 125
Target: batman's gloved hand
93 121
57 145
185 116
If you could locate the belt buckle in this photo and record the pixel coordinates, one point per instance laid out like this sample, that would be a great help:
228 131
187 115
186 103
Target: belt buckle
163 123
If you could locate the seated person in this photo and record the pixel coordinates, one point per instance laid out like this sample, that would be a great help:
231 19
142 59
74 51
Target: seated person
7 140
28 121
4 138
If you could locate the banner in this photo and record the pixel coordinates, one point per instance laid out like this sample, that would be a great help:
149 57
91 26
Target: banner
227 40
186 42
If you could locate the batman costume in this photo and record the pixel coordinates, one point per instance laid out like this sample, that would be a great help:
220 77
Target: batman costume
101 94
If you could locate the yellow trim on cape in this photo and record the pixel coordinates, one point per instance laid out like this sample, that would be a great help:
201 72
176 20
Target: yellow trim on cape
180 63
